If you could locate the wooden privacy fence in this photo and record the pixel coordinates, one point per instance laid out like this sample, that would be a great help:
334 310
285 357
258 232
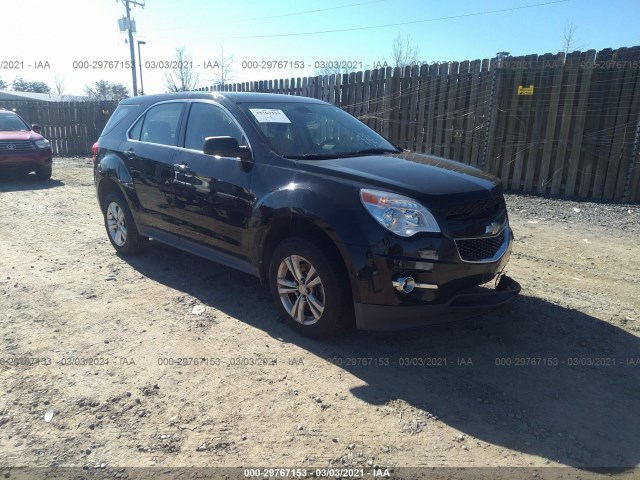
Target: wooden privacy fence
71 127
574 133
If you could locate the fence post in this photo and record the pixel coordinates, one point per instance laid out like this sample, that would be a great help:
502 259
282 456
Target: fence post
632 161
386 102
490 115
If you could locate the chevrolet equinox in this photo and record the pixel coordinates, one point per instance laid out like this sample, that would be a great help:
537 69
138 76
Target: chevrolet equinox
339 222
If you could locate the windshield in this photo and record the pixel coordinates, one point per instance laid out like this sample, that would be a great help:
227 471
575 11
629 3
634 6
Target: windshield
314 131
12 123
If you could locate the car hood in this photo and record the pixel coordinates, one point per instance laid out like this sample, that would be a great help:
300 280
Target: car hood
433 180
19 136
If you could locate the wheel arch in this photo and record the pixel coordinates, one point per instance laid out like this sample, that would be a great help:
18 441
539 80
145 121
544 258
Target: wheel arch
106 186
283 227
114 176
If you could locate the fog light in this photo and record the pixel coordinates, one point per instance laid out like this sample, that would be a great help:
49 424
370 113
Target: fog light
404 284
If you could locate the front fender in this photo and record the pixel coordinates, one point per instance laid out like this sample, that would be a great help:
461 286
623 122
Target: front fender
335 211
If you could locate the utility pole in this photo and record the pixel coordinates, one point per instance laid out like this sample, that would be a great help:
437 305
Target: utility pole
140 42
138 3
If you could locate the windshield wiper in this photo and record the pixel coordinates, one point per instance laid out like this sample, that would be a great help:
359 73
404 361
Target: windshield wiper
324 156
373 150
313 156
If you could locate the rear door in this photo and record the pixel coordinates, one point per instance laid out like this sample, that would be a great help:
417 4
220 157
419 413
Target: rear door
212 195
150 151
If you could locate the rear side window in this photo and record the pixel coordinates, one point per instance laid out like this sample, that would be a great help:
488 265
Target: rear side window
134 134
160 124
117 116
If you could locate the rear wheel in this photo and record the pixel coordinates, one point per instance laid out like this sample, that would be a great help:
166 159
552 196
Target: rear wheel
309 288
44 173
121 228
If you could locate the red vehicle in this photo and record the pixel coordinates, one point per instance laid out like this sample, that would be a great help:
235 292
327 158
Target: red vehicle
22 148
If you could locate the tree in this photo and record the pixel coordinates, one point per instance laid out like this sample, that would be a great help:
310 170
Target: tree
570 41
59 84
40 87
224 71
3 85
404 52
21 85
183 78
105 90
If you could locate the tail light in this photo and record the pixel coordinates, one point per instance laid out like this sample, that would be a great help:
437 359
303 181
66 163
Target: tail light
94 149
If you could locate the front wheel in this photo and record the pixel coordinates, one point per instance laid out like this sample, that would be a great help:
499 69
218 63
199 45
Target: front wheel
120 225
309 288
44 173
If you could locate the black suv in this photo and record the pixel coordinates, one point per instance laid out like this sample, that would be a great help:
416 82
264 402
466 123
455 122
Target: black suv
337 220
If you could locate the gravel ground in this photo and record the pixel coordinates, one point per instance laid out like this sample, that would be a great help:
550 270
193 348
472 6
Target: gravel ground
601 216
546 387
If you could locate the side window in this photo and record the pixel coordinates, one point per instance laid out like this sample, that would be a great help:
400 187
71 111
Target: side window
206 120
117 116
160 124
134 134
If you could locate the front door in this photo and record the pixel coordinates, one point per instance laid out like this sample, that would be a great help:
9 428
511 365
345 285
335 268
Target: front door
212 196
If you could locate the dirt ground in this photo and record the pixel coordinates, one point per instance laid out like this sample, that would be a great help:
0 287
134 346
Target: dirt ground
104 363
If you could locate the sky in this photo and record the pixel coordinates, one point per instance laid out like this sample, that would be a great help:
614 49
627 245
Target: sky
63 37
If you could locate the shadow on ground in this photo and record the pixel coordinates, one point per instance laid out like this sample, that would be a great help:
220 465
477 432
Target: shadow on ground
20 183
533 377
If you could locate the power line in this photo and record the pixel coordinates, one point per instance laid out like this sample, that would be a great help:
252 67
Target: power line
244 20
401 23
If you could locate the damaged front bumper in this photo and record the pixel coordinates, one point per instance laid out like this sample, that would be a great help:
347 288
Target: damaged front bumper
467 303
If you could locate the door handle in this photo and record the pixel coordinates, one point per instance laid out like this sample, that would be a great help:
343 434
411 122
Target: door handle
181 168
130 154
183 177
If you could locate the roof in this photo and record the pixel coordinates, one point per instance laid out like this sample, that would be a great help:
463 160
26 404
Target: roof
40 97
233 97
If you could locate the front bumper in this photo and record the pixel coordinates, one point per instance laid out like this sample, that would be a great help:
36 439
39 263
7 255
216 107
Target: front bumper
468 303
27 161
446 280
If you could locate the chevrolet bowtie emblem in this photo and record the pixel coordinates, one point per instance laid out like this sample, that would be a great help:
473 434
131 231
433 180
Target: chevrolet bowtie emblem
493 228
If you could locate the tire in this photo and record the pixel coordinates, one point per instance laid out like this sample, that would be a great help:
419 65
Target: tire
121 228
44 173
316 306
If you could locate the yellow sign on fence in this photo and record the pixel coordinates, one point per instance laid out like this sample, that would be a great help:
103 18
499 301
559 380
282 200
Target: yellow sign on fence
525 90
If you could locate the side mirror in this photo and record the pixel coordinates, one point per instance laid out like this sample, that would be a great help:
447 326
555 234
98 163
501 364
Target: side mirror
36 128
226 147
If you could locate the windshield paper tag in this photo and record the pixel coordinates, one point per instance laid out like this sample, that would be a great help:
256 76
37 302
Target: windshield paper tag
269 115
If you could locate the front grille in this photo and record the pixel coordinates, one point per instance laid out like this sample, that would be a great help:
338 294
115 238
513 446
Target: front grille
479 249
9 146
483 209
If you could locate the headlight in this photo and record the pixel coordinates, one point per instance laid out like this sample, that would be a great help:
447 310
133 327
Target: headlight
397 213
44 143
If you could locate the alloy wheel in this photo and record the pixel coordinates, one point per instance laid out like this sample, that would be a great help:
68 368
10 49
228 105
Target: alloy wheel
117 224
300 289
